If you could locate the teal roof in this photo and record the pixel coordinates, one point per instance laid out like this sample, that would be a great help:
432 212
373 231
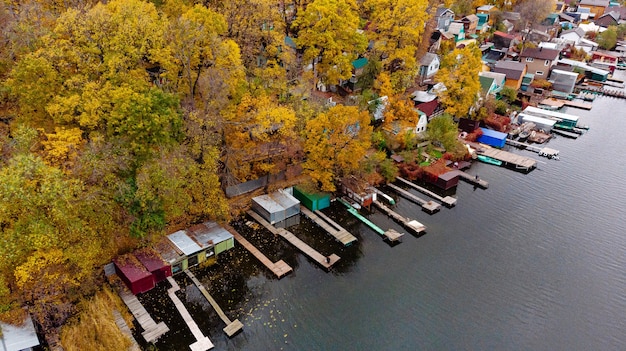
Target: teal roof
486 83
359 63
289 42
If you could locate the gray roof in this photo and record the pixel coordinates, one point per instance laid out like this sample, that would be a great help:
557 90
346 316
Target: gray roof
210 232
602 3
577 30
512 69
428 59
485 8
184 243
456 28
16 338
541 53
442 10
276 202
471 18
614 14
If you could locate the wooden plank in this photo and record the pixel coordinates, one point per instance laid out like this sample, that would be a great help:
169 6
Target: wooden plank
279 268
329 226
202 342
473 180
405 221
152 330
428 206
125 329
448 200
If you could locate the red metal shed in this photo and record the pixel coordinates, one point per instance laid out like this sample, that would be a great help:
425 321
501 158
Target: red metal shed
154 264
448 180
133 273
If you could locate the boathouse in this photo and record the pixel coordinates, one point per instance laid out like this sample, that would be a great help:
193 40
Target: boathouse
211 232
448 180
563 119
182 251
153 262
21 337
277 207
314 201
541 123
133 273
492 138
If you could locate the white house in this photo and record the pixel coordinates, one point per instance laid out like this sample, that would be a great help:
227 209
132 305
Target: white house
429 65
422 123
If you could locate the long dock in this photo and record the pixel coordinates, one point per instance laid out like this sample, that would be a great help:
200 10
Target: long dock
448 200
324 261
542 151
408 223
391 235
125 329
203 342
473 179
332 228
231 328
279 268
571 103
428 206
508 158
151 330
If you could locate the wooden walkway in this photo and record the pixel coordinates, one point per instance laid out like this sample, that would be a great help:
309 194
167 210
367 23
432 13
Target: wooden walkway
473 180
125 329
571 103
324 261
202 342
151 330
231 328
332 228
408 223
448 200
520 162
391 235
428 206
279 268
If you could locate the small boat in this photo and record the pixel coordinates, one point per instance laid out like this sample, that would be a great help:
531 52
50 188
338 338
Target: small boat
490 160
523 135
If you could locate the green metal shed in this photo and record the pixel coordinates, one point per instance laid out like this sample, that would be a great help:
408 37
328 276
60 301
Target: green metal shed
312 201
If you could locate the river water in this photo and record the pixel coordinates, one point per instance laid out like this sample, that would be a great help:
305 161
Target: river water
535 262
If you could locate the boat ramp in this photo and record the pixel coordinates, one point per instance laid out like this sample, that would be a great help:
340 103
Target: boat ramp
391 235
203 342
279 268
330 226
408 223
324 261
231 328
449 201
428 206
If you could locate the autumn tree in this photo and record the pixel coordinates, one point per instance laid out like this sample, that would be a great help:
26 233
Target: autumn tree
608 38
534 11
327 29
459 73
335 144
443 130
396 28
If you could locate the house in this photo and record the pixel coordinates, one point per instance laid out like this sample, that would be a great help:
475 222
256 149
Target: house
572 36
562 119
470 22
499 79
457 30
608 19
487 85
619 9
429 66
592 73
448 180
514 72
378 107
492 138
541 123
422 123
427 103
443 16
604 60
314 201
596 7
539 61
277 208
493 55
483 22
503 40
21 337
563 81
210 232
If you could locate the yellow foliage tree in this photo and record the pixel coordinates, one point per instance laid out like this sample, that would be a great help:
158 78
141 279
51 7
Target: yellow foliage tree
61 147
459 73
335 144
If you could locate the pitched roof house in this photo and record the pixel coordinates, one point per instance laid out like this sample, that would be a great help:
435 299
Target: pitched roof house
608 19
514 72
444 16
596 7
540 61
470 22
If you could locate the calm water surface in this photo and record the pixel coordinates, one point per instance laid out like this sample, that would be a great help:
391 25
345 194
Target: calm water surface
535 262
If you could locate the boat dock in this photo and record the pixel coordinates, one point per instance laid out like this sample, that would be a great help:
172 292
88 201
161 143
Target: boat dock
571 103
231 328
279 268
508 158
566 134
151 330
428 206
408 223
203 342
332 228
324 261
473 179
607 92
449 201
542 151
387 197
125 329
391 235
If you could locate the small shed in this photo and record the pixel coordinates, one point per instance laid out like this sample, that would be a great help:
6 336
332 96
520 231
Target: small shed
18 337
492 138
314 201
540 122
276 207
133 273
448 180
468 125
154 263
211 232
191 251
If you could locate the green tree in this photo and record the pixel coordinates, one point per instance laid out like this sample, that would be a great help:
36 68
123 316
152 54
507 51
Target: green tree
608 39
459 73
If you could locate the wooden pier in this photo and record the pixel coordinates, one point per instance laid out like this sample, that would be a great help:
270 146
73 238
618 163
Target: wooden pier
449 201
473 179
428 206
231 328
332 228
324 261
125 329
390 235
520 162
566 134
203 342
608 92
408 223
279 268
542 151
571 103
151 330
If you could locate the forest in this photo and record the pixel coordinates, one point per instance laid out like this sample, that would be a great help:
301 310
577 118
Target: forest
124 120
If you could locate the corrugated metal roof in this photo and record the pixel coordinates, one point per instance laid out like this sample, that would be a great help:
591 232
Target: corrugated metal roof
183 242
16 338
268 204
285 199
494 134
536 120
210 232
